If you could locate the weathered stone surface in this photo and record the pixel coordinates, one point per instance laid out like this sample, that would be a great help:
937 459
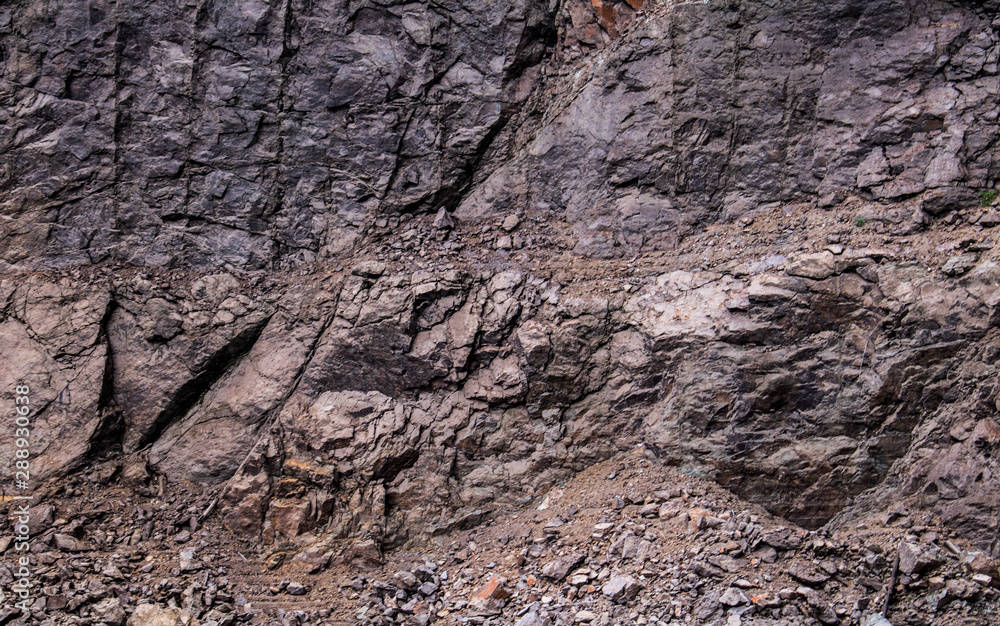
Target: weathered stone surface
918 558
210 441
152 615
385 286
237 146
220 324
110 611
621 589
68 543
734 597
491 598
51 336
559 568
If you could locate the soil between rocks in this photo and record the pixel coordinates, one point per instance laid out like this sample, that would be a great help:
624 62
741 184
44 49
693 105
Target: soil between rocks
627 541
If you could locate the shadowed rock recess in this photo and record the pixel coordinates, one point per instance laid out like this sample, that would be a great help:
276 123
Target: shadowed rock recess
385 270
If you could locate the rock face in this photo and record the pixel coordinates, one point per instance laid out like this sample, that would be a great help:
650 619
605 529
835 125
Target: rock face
247 134
364 270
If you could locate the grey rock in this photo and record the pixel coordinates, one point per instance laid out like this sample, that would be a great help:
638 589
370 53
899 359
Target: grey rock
959 264
152 615
733 597
816 266
443 220
533 619
808 575
559 568
177 217
69 543
917 558
620 589
407 580
427 588
109 611
188 561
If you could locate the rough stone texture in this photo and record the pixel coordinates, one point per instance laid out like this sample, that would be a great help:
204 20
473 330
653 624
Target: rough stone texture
246 134
707 112
224 251
152 615
249 135
53 341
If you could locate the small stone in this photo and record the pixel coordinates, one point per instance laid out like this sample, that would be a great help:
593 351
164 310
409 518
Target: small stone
152 615
558 569
491 597
109 611
510 223
443 220
601 529
960 264
918 558
188 561
695 516
667 511
427 588
620 589
407 580
727 563
990 220
68 543
369 269
413 605
808 575
585 617
733 597
782 539
816 266
650 510
982 564
963 589
532 618
296 589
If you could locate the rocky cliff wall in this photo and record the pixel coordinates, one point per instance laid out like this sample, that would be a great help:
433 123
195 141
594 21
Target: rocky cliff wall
384 270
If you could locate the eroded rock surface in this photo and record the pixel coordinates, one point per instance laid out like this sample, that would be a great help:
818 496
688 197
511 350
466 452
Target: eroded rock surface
384 271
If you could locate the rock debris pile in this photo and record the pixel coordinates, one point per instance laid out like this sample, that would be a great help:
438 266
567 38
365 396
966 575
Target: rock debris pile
627 541
623 551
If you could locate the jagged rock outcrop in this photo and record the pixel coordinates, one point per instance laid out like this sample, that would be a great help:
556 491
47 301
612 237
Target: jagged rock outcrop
246 134
381 270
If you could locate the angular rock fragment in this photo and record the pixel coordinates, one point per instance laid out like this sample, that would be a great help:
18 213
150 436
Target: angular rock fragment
559 568
491 597
917 558
620 589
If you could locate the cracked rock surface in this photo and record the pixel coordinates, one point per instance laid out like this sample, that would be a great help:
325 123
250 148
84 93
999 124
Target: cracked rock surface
341 281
